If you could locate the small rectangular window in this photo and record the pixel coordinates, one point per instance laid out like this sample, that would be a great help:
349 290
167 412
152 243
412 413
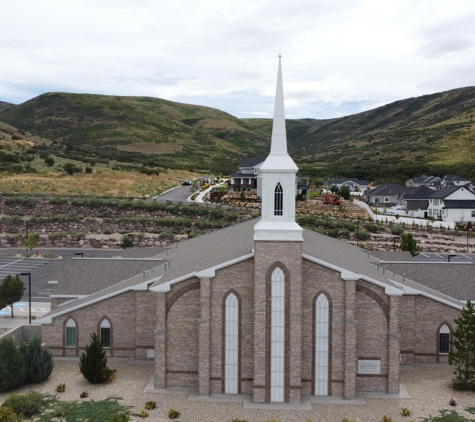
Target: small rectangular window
70 336
473 213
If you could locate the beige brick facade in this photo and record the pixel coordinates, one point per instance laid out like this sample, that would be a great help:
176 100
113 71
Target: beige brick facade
185 328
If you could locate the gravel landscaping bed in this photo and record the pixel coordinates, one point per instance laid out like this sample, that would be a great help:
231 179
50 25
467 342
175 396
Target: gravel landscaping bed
429 388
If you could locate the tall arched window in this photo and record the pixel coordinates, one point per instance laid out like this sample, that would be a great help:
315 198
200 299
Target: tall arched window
278 200
444 339
231 362
277 371
105 333
322 324
70 333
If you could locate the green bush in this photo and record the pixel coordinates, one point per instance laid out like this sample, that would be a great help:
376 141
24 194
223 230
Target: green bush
57 235
397 230
345 233
8 415
12 366
58 200
120 417
362 235
22 200
108 230
26 404
93 362
38 360
173 414
333 232
371 227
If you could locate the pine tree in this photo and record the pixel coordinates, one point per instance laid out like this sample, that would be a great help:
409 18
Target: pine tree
409 244
12 365
38 360
462 355
11 290
93 362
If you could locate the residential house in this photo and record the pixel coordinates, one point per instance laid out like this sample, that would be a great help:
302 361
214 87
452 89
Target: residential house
434 182
355 185
415 200
246 176
453 180
452 203
385 195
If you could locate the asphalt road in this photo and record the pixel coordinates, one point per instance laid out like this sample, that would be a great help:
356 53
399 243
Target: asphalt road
41 271
180 193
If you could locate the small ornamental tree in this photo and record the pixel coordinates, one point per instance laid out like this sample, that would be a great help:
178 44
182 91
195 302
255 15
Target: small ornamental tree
409 244
344 192
462 355
32 241
11 290
12 365
93 362
38 360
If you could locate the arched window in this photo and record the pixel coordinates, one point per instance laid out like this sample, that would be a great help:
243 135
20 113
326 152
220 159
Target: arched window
231 358
105 333
322 324
70 333
278 200
277 371
444 339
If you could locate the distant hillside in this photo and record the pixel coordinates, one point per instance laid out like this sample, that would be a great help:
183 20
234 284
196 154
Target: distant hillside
429 134
5 106
144 130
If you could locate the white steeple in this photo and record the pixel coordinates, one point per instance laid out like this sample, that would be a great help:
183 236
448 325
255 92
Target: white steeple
278 174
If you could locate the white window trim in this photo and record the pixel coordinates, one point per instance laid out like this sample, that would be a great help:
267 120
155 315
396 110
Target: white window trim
322 335
277 375
231 350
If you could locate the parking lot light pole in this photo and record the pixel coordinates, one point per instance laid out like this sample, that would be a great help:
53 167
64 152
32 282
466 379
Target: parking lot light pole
29 295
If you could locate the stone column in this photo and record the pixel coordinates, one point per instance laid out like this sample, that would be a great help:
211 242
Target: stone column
393 345
204 340
161 342
349 386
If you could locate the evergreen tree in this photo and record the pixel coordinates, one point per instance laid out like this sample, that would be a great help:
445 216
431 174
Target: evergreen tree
12 365
11 290
345 192
93 362
409 244
38 360
462 355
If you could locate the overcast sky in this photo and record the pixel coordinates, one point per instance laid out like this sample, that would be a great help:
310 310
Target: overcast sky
339 57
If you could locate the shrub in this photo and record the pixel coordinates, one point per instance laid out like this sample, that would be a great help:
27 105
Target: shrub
93 362
8 415
405 412
362 235
57 235
27 404
150 405
143 414
71 168
397 230
409 244
371 227
57 200
333 232
173 414
344 233
108 230
387 419
38 360
120 417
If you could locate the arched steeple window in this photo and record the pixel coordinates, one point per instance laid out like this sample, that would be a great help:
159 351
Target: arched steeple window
278 200
231 359
322 323
277 370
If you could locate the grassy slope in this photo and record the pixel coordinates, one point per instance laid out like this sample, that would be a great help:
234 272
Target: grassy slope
436 130
180 135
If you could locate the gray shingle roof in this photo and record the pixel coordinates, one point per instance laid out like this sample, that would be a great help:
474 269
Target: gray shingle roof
250 162
445 191
84 277
459 203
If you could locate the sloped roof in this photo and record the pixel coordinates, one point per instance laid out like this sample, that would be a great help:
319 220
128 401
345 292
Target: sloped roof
417 193
250 162
85 277
388 189
459 203
454 178
446 191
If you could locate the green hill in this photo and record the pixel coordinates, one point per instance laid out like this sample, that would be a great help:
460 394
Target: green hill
429 134
142 130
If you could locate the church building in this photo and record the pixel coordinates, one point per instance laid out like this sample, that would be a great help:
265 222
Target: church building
262 308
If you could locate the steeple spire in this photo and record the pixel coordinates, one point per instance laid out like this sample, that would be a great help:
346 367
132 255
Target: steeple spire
277 180
279 136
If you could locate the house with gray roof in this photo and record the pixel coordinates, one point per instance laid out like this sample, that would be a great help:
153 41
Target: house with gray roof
262 309
452 203
430 181
353 183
